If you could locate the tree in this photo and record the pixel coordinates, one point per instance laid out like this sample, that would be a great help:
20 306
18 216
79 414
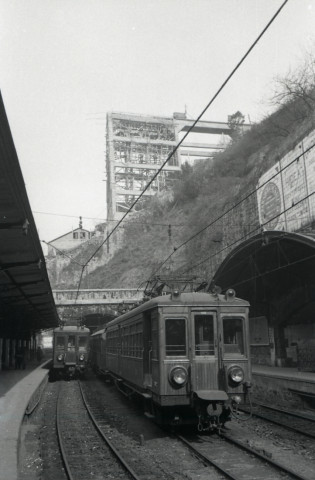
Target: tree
235 122
294 94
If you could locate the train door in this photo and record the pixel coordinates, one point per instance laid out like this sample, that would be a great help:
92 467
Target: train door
147 349
119 331
59 348
71 349
205 352
151 369
221 367
233 346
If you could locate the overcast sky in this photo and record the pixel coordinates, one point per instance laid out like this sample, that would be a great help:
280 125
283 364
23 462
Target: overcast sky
65 63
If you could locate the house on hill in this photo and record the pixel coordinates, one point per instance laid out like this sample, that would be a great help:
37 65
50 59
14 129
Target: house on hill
69 240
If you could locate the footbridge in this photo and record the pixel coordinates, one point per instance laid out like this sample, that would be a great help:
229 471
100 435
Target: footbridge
95 306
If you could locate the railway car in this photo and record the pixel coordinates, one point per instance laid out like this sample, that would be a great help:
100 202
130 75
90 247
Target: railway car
70 351
187 354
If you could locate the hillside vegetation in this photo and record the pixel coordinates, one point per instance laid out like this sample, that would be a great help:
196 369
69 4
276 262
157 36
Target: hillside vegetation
201 194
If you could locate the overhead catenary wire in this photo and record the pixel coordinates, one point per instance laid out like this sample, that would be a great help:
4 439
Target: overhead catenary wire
276 269
185 136
259 228
229 210
63 253
159 224
148 224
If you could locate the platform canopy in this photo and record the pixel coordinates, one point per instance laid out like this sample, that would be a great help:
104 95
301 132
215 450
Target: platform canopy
275 272
26 300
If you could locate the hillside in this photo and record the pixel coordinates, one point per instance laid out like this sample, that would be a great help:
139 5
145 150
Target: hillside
199 196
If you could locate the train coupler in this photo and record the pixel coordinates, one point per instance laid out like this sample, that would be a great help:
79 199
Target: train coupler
209 424
176 420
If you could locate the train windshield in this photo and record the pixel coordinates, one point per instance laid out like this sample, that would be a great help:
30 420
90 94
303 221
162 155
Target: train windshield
71 341
175 337
233 336
204 335
60 342
83 343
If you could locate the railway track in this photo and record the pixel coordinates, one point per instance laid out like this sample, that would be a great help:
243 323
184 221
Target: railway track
283 418
84 424
85 450
237 461
110 420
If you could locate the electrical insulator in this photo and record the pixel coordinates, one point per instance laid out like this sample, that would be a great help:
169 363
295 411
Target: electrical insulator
170 232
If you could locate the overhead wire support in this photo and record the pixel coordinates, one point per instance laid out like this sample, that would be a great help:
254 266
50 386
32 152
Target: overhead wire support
258 228
186 134
175 249
149 224
63 253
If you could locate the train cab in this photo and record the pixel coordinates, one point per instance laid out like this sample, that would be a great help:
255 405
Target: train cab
187 354
70 351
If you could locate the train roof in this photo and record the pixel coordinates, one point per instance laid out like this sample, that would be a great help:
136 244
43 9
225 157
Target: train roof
98 332
71 328
184 299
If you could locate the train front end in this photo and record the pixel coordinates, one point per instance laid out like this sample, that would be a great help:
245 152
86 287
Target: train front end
204 370
70 351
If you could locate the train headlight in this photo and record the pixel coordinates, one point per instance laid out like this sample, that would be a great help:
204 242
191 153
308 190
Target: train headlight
60 357
81 357
236 374
178 376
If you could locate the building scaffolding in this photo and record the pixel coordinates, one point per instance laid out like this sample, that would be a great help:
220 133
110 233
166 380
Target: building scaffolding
137 146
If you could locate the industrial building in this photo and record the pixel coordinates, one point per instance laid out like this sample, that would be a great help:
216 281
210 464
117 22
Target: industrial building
137 146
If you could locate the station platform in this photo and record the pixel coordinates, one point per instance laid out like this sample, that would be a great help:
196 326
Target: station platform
283 386
16 391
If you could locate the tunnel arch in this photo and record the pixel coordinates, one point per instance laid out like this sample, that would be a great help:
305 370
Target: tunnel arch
272 268
275 272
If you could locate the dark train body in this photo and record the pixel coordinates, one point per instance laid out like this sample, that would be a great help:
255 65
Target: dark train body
70 351
186 354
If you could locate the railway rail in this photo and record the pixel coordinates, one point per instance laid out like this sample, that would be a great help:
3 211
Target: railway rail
237 461
145 452
283 418
109 424
80 436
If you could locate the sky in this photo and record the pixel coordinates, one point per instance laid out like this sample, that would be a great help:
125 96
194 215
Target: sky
65 63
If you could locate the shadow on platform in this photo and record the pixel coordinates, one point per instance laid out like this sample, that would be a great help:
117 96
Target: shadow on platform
10 377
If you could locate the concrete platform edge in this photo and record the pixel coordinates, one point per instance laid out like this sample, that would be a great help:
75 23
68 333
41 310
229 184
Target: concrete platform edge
12 411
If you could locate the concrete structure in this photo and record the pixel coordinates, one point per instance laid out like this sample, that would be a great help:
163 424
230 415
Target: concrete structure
94 307
284 387
98 296
137 145
273 264
19 390
67 254
275 272
286 192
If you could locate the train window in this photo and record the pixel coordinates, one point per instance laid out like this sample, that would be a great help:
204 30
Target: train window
60 342
233 336
175 336
204 335
112 342
155 337
71 341
83 343
138 340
